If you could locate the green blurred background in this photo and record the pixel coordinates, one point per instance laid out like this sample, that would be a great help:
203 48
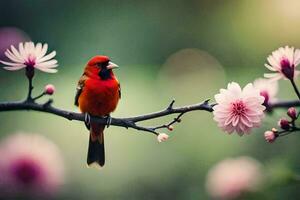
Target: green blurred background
180 49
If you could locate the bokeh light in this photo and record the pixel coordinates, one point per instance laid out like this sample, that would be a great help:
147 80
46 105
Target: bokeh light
190 74
31 165
11 36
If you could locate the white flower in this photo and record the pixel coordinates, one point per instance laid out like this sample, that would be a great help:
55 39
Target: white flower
238 110
268 89
162 137
32 56
283 61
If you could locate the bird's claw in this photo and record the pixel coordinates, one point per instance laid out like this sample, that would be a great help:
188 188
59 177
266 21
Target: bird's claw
87 120
108 121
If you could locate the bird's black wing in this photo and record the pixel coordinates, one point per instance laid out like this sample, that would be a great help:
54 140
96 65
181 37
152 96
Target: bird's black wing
119 91
79 88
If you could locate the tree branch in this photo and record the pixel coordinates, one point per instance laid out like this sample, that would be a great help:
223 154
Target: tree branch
285 104
127 122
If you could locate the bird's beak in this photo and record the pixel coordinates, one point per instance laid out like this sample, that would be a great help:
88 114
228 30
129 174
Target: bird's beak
112 65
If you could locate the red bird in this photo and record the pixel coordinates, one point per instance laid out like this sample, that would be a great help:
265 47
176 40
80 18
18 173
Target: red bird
98 94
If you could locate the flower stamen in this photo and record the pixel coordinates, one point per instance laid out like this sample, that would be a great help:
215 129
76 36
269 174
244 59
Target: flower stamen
238 108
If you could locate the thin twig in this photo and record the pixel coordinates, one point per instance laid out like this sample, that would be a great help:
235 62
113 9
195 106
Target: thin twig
295 88
39 96
176 119
287 132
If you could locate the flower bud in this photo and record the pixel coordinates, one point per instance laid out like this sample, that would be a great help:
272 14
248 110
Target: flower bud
171 128
270 136
284 124
49 89
292 113
162 137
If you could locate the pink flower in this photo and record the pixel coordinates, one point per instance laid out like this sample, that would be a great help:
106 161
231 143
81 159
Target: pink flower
284 124
162 137
268 89
30 56
49 89
230 178
270 136
238 110
30 165
283 61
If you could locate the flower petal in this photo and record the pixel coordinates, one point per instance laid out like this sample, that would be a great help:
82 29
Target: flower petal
15 52
21 50
270 68
12 57
47 70
43 52
11 63
48 57
47 64
14 68
38 49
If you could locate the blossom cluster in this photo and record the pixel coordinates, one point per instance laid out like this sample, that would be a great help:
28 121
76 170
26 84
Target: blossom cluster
242 109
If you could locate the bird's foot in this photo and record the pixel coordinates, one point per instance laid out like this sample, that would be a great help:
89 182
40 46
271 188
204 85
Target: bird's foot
87 120
108 121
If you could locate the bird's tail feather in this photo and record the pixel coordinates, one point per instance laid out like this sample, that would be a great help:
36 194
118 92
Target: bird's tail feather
96 153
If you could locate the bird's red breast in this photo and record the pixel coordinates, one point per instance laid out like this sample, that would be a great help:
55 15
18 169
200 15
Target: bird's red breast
98 97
